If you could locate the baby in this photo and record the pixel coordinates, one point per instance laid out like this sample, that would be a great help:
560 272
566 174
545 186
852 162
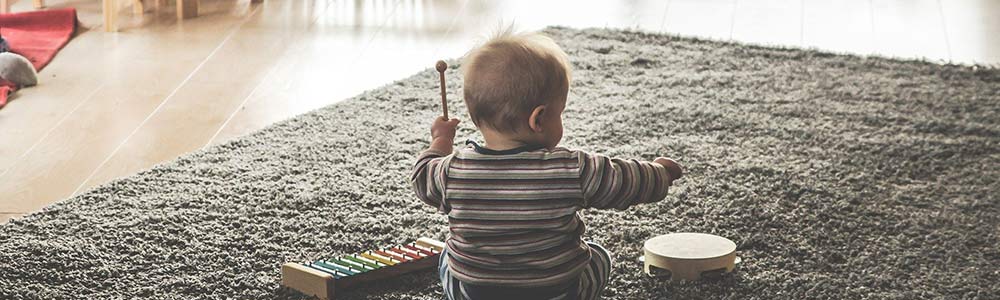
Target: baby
512 202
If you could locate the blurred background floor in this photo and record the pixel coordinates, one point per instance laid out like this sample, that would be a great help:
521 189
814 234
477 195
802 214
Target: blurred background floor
111 104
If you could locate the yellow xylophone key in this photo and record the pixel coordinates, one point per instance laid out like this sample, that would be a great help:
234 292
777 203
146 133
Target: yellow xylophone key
378 258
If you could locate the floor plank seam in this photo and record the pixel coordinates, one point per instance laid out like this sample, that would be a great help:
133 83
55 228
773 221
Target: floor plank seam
165 101
47 133
265 79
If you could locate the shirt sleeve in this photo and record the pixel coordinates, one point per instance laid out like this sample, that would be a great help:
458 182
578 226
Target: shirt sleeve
428 179
619 183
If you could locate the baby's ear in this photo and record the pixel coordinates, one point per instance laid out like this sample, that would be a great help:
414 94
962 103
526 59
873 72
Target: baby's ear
535 120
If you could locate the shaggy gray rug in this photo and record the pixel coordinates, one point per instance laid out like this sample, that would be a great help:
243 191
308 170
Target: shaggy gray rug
839 177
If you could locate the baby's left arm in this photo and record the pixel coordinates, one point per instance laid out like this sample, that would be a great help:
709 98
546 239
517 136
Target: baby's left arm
620 183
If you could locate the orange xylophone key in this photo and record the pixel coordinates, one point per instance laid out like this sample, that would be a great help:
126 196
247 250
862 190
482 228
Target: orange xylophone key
393 255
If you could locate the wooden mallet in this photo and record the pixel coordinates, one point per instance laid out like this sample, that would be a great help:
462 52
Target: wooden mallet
441 66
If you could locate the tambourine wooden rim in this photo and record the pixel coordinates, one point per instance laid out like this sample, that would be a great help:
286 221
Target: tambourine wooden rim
688 256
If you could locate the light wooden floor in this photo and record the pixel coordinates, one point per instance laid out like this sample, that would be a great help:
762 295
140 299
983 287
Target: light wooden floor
111 104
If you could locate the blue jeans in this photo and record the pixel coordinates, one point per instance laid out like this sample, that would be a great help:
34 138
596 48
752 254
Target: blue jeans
592 281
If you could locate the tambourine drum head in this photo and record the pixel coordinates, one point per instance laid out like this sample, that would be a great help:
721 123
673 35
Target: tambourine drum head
689 245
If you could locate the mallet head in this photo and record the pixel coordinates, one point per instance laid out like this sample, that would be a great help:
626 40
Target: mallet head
441 66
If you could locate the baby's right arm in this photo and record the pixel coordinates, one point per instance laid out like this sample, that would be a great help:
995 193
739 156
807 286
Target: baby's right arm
618 183
428 172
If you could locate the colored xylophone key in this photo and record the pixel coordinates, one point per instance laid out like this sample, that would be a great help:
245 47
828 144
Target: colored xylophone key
398 257
327 270
425 248
362 262
345 271
406 252
356 266
379 258
361 257
418 250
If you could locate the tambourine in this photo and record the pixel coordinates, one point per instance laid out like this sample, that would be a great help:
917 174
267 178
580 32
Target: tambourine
688 256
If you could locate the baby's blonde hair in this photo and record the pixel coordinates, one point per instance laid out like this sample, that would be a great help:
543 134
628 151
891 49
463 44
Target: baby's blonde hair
509 75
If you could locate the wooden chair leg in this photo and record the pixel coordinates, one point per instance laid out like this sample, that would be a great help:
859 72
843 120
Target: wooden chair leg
187 9
110 14
137 8
39 4
5 6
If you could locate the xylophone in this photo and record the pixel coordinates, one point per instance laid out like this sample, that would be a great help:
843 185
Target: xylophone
322 278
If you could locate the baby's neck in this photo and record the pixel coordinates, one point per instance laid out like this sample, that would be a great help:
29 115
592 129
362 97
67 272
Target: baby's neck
498 141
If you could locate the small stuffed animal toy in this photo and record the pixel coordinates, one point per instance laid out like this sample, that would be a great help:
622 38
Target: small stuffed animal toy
17 69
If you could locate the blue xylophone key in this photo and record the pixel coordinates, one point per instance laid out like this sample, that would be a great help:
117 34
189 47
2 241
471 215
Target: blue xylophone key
336 275
337 267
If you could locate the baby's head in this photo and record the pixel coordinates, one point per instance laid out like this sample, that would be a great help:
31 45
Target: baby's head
516 86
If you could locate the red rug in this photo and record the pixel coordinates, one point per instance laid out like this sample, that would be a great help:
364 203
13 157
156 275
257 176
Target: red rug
38 35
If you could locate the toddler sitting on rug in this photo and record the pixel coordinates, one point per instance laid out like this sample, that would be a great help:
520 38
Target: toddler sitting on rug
512 202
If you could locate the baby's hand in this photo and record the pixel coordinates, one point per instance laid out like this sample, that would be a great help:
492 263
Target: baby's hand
673 168
444 128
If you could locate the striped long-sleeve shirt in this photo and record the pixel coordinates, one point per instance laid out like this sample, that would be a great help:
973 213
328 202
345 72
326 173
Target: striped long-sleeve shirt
513 214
